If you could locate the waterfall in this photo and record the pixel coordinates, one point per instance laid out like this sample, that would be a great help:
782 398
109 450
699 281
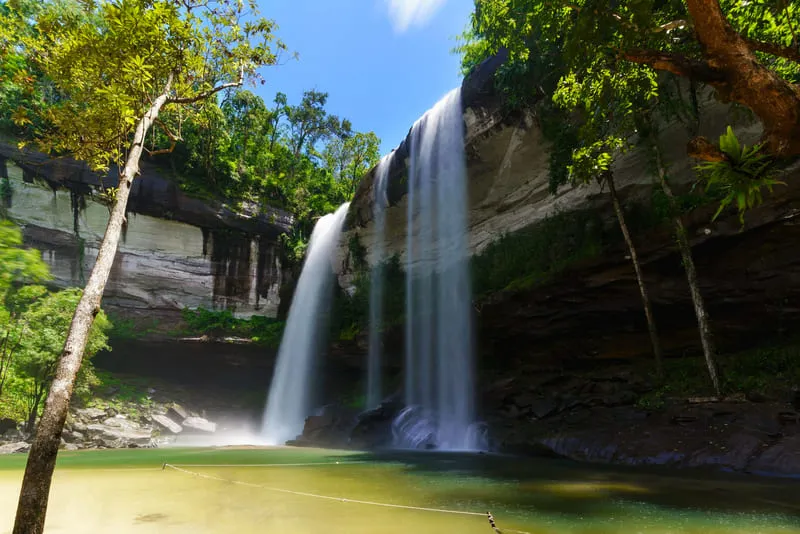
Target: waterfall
439 382
374 363
290 394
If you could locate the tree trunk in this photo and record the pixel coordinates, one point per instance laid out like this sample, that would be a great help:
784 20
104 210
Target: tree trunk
648 309
703 324
746 80
33 497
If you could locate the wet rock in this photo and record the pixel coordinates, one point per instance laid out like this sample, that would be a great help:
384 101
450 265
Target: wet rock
165 423
72 447
199 425
783 458
543 408
13 436
11 448
373 428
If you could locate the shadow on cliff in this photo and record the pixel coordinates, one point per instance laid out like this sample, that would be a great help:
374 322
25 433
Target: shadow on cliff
564 487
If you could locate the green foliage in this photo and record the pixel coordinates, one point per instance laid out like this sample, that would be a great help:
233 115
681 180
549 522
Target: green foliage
105 62
129 329
612 72
18 264
34 328
350 312
741 175
358 252
123 395
532 256
262 330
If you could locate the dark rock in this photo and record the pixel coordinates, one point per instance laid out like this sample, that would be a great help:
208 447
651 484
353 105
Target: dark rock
543 408
373 428
789 417
783 458
756 396
6 425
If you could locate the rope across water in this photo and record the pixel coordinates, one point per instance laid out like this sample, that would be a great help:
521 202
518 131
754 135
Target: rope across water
180 469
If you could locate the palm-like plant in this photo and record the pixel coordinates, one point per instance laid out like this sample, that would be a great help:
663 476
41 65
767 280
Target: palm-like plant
741 175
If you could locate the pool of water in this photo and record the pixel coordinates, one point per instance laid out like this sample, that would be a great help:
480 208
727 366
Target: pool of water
244 490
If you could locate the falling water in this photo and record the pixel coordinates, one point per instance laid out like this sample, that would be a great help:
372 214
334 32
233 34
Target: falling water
290 394
439 359
380 202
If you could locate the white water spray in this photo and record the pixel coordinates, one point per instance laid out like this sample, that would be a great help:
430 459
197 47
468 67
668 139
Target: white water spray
374 363
290 394
439 382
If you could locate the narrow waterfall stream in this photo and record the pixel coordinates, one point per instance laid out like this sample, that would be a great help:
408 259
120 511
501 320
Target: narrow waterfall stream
290 394
374 363
439 381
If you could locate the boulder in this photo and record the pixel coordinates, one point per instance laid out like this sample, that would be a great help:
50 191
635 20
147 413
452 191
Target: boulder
373 428
783 458
165 423
90 414
11 448
7 424
118 437
199 425
13 436
177 413
73 436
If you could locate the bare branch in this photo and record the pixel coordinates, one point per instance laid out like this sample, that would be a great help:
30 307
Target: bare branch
160 151
206 94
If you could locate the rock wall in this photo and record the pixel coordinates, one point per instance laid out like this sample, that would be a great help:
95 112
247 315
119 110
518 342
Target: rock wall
508 172
176 251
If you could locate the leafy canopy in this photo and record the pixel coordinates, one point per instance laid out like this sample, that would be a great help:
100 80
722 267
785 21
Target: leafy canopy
103 63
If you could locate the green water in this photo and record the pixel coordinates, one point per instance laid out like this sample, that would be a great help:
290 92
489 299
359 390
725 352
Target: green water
127 491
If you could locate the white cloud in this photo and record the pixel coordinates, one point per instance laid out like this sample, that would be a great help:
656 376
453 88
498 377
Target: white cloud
407 13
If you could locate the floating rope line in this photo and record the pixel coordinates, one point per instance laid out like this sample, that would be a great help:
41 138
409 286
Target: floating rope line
338 499
306 464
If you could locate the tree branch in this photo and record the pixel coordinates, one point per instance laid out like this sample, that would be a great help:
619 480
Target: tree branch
773 49
676 64
206 94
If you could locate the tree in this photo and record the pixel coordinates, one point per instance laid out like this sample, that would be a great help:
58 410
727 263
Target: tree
38 352
749 52
114 66
348 156
618 102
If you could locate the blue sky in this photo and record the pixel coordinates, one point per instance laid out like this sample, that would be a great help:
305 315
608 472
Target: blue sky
383 62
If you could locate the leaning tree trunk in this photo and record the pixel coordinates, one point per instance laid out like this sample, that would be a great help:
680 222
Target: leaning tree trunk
648 309
704 326
33 497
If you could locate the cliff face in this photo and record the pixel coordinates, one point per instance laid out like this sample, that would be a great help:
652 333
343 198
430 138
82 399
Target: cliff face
592 309
508 171
176 252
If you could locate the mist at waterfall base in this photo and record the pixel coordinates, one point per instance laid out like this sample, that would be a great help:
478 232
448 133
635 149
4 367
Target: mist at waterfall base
290 397
374 362
439 360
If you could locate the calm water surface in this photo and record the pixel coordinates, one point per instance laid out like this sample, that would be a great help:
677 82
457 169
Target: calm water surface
128 492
